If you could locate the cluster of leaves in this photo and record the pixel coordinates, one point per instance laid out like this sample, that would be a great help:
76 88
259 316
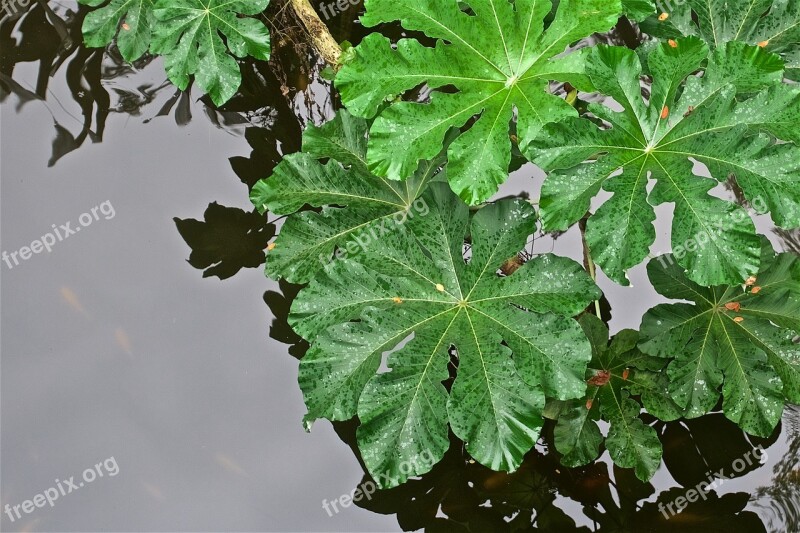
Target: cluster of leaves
415 281
741 339
771 24
420 313
188 34
617 371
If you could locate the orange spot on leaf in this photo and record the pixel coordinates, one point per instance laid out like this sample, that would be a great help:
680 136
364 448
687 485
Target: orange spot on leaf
600 378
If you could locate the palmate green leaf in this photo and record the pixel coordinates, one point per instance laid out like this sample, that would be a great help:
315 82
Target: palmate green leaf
189 36
414 296
617 371
358 208
130 21
739 339
500 59
713 239
774 24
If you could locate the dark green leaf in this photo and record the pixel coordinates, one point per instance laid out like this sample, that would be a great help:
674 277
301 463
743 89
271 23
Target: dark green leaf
414 295
774 24
712 238
130 21
739 339
617 371
499 57
358 208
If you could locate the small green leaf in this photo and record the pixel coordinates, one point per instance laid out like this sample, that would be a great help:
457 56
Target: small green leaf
617 371
189 36
577 435
739 339
415 296
130 21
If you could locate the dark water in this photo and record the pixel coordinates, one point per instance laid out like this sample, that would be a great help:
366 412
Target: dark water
178 377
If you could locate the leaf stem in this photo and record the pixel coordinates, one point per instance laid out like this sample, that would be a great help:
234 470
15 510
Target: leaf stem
588 262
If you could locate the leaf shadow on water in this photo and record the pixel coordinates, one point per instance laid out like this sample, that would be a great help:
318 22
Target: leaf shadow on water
228 240
461 495
279 303
21 41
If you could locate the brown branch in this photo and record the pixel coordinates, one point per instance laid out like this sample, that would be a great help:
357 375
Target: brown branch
321 37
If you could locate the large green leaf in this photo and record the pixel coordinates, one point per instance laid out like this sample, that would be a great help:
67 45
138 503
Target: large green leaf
738 338
713 239
617 371
499 58
358 208
774 24
414 296
189 36
130 21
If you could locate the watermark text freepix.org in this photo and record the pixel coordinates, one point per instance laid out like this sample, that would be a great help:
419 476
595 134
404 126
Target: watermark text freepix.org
330 10
423 462
13 9
719 227
59 233
715 480
62 488
359 243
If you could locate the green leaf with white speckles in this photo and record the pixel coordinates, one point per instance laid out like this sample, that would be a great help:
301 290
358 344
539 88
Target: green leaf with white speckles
617 371
417 297
638 10
733 338
773 23
130 21
358 208
500 59
727 119
189 35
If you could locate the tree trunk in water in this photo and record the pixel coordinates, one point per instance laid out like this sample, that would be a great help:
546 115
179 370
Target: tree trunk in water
321 37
